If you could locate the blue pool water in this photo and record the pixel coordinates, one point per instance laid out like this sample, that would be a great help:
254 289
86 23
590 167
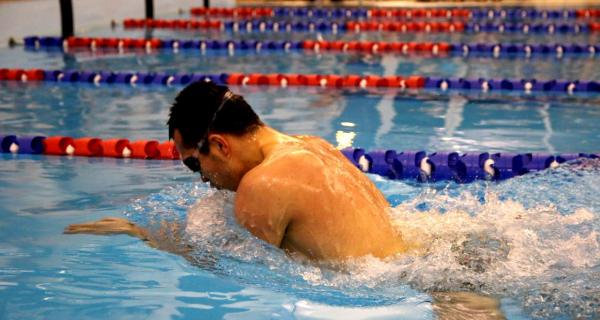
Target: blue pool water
550 220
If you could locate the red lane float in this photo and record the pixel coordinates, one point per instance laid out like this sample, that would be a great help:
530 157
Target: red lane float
12 74
349 81
59 145
172 24
415 82
22 75
587 13
116 148
145 149
168 151
33 75
232 12
88 147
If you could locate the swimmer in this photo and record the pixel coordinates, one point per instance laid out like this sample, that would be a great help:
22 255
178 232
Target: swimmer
298 193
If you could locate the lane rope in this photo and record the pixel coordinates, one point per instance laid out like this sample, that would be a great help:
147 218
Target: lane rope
459 167
392 164
404 13
325 25
88 147
438 49
526 86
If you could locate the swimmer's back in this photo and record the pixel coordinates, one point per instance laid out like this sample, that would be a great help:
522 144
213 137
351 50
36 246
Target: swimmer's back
329 208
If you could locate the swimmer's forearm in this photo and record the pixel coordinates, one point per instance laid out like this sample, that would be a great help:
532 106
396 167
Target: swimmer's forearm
109 226
166 238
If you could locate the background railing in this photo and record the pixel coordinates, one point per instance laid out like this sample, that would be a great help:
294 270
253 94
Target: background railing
66 15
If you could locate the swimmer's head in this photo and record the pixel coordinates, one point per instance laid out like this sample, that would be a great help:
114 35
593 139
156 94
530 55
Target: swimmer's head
195 106
202 121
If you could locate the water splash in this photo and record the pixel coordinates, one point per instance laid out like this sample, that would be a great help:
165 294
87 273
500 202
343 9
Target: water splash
534 239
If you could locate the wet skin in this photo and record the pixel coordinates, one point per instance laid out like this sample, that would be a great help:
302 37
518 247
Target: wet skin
301 194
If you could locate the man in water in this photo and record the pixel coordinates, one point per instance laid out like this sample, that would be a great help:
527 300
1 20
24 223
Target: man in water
298 193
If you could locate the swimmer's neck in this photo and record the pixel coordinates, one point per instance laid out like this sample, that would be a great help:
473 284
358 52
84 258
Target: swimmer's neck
254 147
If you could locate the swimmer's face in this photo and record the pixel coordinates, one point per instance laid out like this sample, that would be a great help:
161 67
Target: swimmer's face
212 167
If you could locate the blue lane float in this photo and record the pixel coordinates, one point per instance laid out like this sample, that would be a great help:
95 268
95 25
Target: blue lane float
524 50
458 167
528 28
523 85
36 42
8 143
31 144
131 78
21 144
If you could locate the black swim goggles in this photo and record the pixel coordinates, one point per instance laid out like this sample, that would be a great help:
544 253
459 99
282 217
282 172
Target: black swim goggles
192 162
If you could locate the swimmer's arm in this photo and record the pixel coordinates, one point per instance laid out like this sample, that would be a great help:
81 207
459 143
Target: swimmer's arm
260 207
167 237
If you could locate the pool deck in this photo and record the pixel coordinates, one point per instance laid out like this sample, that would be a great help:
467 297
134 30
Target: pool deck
23 18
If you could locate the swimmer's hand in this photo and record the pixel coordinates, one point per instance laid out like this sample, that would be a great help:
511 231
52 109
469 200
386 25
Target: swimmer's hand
107 226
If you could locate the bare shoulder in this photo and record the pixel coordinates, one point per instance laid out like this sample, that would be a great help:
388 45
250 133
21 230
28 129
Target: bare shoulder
284 170
262 202
262 187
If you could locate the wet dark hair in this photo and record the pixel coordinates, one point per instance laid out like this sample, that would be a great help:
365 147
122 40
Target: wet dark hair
195 106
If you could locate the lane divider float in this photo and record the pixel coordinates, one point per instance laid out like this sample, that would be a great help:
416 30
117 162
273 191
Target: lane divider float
373 47
406 13
526 86
88 147
419 165
324 25
459 167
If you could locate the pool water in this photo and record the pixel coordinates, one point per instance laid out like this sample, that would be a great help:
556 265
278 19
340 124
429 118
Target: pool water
532 241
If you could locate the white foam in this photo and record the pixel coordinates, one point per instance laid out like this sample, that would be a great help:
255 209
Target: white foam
470 240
